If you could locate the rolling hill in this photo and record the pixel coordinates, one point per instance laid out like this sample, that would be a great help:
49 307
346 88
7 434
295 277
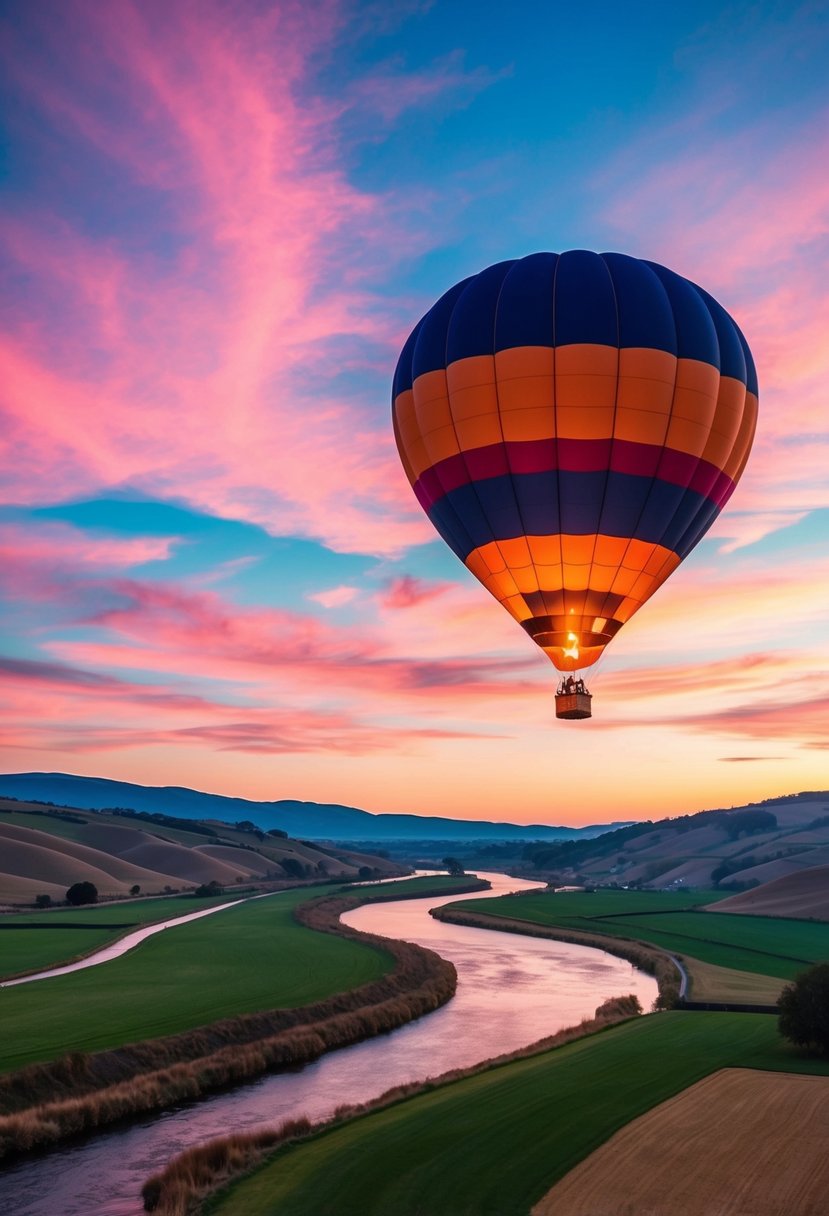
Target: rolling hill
804 895
44 850
732 849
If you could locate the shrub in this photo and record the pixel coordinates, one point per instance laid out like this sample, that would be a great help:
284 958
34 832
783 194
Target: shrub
43 901
209 888
134 890
82 893
804 1010
619 1007
728 867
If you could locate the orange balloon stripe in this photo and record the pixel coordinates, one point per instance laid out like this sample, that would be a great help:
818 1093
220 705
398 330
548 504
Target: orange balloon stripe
532 393
557 594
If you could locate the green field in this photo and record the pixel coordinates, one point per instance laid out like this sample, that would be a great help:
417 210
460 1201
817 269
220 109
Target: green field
60 935
493 1144
251 957
763 945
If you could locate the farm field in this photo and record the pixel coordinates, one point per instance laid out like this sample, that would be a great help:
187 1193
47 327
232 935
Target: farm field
723 984
803 894
493 1144
30 941
766 946
251 957
719 1121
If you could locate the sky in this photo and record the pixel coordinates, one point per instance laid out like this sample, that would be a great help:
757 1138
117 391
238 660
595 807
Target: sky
219 223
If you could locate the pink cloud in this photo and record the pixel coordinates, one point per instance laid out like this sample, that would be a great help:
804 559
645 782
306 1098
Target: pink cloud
161 627
69 709
758 696
746 214
335 597
211 369
802 720
62 548
407 591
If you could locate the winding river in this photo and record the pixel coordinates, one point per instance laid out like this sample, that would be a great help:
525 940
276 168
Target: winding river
512 990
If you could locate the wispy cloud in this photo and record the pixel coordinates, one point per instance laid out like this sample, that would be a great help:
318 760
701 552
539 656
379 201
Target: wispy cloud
745 213
69 709
335 597
214 367
407 591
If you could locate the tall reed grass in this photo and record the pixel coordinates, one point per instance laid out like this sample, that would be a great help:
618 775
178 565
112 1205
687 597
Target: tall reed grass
181 1187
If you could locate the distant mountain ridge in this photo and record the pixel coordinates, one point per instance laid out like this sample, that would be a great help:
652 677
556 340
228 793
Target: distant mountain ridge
314 820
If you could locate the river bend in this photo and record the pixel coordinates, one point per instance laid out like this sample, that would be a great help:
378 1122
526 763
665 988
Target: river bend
512 990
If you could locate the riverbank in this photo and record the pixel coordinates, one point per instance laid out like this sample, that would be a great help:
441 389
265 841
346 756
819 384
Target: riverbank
189 1179
731 961
48 1102
497 1140
650 959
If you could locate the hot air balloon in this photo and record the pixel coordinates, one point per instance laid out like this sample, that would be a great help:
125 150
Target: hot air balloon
572 424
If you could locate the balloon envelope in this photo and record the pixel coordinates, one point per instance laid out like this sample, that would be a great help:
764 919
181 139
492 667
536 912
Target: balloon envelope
573 424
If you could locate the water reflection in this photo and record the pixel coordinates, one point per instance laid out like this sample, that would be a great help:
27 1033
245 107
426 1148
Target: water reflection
512 990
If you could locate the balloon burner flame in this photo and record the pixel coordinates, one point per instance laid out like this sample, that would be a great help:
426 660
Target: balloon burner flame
572 650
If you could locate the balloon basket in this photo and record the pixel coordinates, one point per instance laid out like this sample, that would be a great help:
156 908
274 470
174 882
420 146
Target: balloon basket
573 705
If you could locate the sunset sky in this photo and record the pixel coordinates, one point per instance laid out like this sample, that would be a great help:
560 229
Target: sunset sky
220 222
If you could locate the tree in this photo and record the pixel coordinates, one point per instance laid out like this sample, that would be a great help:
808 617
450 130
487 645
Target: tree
804 1010
209 888
293 867
82 893
366 872
135 889
43 901
278 833
748 822
453 866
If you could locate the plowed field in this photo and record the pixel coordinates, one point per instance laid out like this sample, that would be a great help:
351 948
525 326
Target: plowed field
738 1143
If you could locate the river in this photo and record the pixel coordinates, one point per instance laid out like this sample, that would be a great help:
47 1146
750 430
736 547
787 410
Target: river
512 990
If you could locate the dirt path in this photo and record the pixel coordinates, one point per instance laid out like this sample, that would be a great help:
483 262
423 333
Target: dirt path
738 1143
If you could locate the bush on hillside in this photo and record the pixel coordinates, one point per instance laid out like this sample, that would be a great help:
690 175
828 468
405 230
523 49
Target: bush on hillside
619 1007
43 901
209 888
804 1010
748 822
82 893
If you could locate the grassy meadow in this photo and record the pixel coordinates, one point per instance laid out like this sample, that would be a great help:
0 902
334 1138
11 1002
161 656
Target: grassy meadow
30 941
250 957
493 1144
673 921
